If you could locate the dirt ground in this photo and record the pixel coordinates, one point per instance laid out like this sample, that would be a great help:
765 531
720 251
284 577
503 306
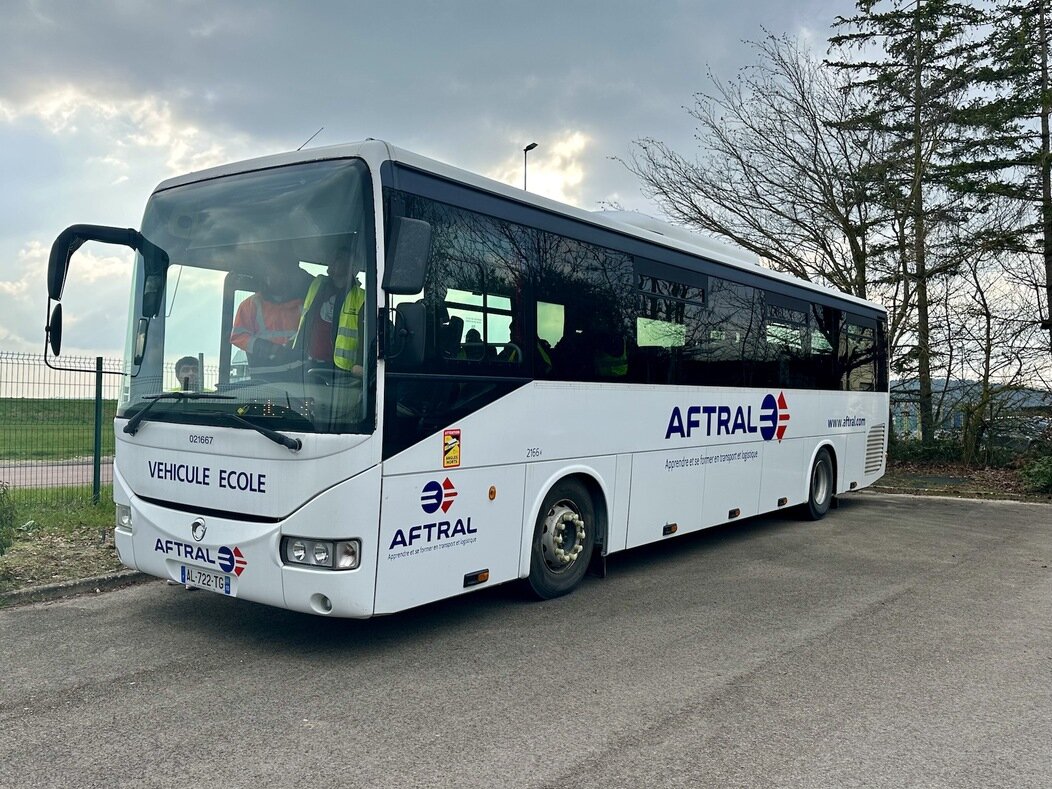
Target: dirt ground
50 556
956 480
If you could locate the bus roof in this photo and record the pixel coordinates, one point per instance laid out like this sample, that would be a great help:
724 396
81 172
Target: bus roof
631 224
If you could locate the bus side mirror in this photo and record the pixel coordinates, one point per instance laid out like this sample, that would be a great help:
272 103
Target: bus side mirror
152 293
155 265
71 239
139 343
408 251
53 330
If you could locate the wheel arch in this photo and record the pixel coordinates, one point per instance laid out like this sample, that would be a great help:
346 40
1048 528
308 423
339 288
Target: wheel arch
599 491
831 448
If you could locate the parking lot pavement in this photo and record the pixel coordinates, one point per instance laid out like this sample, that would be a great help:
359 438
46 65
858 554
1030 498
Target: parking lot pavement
902 641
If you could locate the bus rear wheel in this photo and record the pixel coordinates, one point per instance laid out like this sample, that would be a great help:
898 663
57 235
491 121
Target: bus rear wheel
820 487
563 540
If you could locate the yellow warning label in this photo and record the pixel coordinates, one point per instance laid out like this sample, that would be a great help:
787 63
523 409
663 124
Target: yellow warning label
451 449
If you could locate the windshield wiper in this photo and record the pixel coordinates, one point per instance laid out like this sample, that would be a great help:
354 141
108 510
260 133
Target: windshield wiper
278 438
133 424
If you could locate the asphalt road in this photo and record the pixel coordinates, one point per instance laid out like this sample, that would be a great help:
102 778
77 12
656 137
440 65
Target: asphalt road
900 642
54 473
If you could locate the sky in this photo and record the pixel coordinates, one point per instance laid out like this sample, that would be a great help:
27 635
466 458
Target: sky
101 100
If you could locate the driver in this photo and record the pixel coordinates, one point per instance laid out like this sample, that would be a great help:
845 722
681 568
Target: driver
330 334
266 321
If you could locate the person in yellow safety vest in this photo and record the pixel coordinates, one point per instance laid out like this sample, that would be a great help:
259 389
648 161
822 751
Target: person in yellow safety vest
611 358
328 335
542 359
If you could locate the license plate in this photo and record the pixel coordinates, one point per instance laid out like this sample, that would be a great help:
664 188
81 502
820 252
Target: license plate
204 579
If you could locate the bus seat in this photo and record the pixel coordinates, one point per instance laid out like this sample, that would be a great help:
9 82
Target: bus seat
449 334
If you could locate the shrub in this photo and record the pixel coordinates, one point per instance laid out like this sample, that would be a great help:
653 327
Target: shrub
7 519
942 450
1037 476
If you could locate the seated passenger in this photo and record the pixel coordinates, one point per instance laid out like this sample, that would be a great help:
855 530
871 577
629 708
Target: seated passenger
472 348
186 373
611 356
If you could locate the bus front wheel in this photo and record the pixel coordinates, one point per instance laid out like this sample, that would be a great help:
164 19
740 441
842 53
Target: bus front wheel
563 540
820 487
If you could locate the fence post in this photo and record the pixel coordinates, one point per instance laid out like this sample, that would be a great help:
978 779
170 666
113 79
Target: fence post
96 467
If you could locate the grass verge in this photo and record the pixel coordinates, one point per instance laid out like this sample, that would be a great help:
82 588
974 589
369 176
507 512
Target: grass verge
53 429
59 538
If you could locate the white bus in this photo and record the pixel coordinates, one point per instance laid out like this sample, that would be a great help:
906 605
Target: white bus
536 386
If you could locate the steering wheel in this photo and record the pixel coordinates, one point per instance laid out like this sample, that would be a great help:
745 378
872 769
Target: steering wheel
328 376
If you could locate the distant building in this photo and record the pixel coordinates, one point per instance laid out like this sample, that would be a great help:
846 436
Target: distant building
1026 409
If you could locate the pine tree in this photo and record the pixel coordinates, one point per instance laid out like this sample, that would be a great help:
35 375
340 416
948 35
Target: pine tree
1011 158
917 60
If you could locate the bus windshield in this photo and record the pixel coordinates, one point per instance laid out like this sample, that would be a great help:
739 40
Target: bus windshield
264 302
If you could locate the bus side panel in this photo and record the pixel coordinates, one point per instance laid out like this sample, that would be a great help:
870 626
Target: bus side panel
785 472
732 481
854 458
617 529
440 526
667 487
839 444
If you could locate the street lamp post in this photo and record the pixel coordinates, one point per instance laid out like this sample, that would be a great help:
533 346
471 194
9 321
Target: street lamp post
525 151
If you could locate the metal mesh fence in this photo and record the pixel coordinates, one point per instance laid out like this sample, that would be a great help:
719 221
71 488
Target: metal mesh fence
47 424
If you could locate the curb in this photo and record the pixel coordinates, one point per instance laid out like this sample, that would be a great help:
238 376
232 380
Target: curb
948 493
48 592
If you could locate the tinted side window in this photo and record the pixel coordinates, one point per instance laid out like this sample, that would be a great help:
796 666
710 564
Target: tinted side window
585 310
671 327
731 334
474 293
858 355
474 304
787 344
825 324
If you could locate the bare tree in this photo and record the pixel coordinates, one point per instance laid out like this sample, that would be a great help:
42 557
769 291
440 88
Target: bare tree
775 174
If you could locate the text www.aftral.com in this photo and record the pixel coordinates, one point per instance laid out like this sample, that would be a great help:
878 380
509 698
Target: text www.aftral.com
847 421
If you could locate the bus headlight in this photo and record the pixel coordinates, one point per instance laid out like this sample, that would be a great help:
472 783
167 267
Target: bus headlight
323 554
124 517
348 554
341 555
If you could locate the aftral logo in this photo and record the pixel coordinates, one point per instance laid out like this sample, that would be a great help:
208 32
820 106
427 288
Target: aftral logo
232 560
437 496
227 559
725 420
774 417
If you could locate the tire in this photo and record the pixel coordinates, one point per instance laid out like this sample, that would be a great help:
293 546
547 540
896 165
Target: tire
563 540
820 485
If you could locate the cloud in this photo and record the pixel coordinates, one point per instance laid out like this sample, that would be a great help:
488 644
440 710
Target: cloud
99 111
145 124
111 151
555 170
95 300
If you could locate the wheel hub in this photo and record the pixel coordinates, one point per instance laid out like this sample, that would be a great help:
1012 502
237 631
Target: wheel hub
563 536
